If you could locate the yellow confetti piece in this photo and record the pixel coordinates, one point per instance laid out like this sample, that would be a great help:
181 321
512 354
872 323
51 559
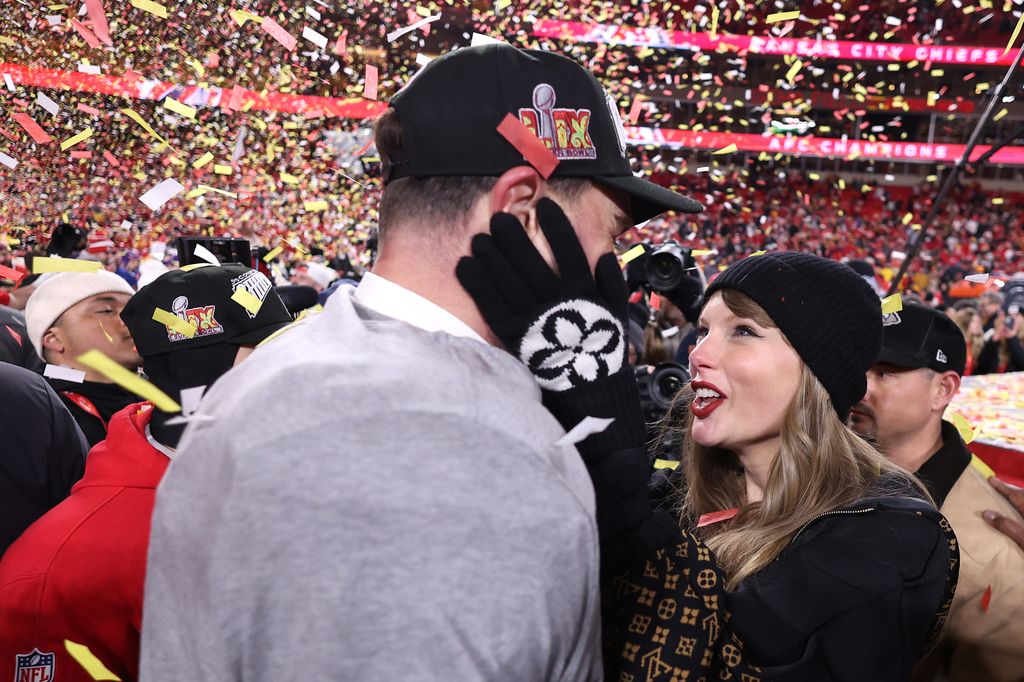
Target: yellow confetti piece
714 21
998 200
697 253
179 108
315 205
145 126
778 17
289 178
110 339
1016 32
128 380
154 8
907 218
727 149
80 137
194 266
273 253
502 4
218 191
967 432
202 160
174 323
892 304
980 465
1001 114
198 67
632 254
87 659
221 169
241 16
422 11
794 70
247 301
758 253
665 464
193 193
54 264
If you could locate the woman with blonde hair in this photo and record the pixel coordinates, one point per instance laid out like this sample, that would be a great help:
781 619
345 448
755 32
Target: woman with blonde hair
797 551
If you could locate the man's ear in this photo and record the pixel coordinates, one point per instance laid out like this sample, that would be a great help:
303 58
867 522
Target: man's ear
517 192
946 387
53 340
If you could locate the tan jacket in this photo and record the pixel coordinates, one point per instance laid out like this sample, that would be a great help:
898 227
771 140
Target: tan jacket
980 645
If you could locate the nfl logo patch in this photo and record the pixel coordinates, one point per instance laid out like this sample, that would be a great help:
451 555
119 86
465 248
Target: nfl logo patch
33 667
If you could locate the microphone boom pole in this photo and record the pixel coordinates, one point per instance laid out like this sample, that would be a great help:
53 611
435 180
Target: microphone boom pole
915 241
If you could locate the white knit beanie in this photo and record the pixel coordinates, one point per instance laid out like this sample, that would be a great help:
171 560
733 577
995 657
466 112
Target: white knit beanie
61 291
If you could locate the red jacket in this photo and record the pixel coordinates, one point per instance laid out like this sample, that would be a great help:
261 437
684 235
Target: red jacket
77 573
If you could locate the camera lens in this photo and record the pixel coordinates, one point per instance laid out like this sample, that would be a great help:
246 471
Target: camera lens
664 270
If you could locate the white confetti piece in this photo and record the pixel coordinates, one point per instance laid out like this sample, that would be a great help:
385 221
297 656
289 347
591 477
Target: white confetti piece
190 399
8 82
64 373
587 427
8 161
395 35
481 39
980 279
89 68
162 193
316 38
204 253
47 103
312 12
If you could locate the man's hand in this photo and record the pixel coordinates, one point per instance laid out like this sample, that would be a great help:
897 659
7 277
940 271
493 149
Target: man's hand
1007 526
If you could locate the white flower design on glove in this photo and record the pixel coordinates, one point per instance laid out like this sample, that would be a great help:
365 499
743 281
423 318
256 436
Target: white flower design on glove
573 343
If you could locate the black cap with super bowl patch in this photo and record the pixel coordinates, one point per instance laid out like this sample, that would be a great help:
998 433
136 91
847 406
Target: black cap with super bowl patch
450 113
200 295
919 336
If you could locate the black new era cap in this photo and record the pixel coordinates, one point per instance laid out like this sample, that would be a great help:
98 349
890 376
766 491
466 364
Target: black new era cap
200 295
919 336
451 110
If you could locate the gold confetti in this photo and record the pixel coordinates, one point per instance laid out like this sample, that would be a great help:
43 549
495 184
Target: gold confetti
273 253
892 304
128 380
174 323
315 205
632 254
202 160
967 432
154 8
179 108
727 149
778 17
1016 32
247 300
55 264
80 137
87 659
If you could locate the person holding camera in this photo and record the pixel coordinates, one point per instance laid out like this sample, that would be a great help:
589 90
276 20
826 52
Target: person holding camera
830 560
411 511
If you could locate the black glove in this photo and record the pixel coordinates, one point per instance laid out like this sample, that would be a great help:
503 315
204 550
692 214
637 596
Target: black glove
568 330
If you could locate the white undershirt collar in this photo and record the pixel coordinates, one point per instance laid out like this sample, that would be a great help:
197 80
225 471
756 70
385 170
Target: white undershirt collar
393 300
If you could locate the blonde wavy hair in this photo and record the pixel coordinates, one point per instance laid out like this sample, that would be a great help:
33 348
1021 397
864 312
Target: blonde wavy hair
821 466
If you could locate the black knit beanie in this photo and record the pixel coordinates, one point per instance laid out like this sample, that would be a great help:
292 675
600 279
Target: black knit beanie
826 310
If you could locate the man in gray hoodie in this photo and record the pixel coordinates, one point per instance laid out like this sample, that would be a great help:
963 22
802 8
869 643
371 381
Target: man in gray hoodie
379 493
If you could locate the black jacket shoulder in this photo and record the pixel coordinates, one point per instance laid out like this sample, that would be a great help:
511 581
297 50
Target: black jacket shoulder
858 595
43 451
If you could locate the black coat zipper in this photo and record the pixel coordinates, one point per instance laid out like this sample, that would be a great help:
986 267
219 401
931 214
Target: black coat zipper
829 513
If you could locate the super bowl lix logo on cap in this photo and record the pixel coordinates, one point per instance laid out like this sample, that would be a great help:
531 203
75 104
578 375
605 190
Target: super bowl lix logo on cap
203 318
256 283
565 131
36 666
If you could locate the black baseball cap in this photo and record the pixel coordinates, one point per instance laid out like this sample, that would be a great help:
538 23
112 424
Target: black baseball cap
201 295
451 109
919 336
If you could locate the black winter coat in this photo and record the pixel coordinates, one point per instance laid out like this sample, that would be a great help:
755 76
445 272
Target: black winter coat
42 451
